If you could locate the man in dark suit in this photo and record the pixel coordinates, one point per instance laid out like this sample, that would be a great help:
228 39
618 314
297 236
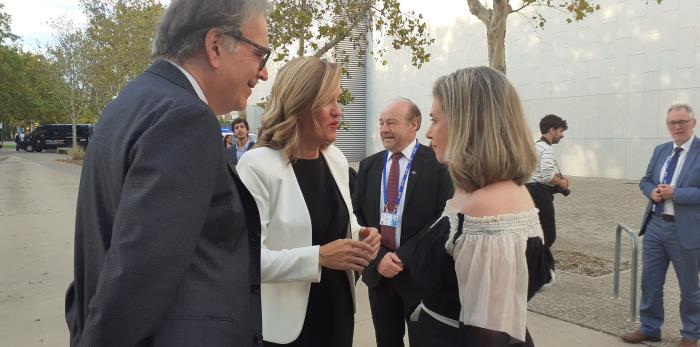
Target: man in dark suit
167 238
671 229
400 191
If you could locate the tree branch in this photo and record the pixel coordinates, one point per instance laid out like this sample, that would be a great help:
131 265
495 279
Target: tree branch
525 4
353 24
481 12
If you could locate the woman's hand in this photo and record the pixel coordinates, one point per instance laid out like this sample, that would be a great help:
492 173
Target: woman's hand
371 237
345 254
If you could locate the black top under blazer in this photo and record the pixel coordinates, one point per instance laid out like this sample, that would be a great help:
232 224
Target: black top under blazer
167 238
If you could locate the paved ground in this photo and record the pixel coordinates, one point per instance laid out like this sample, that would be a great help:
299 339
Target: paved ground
37 206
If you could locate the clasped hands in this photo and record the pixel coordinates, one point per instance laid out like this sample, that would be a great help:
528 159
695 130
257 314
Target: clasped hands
347 254
662 192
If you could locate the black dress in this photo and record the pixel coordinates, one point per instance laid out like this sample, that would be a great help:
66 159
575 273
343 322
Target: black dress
329 319
434 270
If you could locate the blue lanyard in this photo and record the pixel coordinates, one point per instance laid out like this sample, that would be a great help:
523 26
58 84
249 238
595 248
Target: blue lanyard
403 179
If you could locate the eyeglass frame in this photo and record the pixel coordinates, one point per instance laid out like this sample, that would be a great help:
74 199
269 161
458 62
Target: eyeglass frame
678 123
265 50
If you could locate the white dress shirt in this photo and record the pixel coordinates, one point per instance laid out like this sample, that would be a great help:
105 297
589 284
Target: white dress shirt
193 82
403 162
546 164
668 204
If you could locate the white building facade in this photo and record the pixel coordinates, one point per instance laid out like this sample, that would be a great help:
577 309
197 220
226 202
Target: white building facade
611 76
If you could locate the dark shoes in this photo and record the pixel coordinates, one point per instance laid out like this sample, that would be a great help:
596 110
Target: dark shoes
639 337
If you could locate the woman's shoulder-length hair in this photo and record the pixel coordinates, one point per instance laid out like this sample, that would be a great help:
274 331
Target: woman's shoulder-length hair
301 87
488 137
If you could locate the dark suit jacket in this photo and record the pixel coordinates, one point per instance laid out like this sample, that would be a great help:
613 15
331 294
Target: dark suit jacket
427 189
686 195
167 238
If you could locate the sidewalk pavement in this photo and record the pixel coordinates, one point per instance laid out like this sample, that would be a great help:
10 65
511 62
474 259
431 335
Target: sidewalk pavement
546 331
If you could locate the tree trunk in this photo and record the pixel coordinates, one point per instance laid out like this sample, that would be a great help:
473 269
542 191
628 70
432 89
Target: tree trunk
496 35
75 132
301 50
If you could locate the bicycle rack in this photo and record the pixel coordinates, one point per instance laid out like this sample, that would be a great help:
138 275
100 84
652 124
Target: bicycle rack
633 270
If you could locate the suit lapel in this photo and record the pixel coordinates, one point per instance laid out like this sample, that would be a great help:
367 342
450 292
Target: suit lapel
689 161
660 161
374 184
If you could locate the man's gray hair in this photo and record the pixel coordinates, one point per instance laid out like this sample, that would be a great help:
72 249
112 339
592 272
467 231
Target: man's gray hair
686 107
182 28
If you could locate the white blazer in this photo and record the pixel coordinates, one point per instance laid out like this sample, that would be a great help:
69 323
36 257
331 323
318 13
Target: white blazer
288 261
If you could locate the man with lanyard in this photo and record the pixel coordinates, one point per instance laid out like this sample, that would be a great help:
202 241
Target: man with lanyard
547 177
399 190
243 142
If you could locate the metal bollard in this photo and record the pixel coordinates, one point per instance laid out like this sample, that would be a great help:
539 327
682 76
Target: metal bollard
633 277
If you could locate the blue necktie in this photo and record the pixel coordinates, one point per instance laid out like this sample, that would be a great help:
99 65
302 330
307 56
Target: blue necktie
668 175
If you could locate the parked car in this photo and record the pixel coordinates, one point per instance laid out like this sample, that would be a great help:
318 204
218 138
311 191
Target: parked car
51 136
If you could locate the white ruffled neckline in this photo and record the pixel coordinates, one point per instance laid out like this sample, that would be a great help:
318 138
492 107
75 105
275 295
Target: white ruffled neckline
507 217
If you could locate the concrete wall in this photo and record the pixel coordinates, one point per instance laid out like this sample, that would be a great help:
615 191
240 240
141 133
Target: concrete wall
611 76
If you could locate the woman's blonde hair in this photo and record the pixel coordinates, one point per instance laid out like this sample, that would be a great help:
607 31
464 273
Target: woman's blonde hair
301 87
488 138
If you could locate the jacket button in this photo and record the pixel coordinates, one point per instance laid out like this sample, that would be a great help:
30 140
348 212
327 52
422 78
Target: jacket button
255 289
258 339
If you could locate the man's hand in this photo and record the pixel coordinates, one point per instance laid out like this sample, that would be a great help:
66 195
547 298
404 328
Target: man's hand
390 265
656 195
666 191
345 254
564 183
371 237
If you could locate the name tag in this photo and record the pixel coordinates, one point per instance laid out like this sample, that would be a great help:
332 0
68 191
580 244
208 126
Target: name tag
389 219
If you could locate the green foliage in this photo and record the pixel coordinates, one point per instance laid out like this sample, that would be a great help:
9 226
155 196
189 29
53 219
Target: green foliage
315 27
76 153
26 83
576 10
117 46
6 26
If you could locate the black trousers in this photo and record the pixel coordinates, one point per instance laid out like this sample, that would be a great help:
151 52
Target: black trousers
390 316
433 333
544 201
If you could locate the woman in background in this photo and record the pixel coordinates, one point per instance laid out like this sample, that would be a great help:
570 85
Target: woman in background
228 141
311 242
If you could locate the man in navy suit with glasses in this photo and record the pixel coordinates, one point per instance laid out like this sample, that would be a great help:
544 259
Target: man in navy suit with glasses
671 229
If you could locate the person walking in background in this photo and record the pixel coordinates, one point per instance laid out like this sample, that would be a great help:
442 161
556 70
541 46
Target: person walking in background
243 141
158 260
401 190
485 257
670 228
311 241
228 141
547 179
17 141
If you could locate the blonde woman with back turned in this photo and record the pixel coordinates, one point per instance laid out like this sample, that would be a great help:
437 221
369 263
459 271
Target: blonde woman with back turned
485 254
311 241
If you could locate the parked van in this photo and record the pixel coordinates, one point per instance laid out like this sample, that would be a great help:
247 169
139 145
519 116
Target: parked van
51 136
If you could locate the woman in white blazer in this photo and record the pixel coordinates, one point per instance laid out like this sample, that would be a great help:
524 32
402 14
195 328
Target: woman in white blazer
311 242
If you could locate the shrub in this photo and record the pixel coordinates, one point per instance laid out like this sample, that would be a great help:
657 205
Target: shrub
77 153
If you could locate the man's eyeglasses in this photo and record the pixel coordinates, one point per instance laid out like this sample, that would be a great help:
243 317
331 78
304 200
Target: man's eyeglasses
678 123
264 52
